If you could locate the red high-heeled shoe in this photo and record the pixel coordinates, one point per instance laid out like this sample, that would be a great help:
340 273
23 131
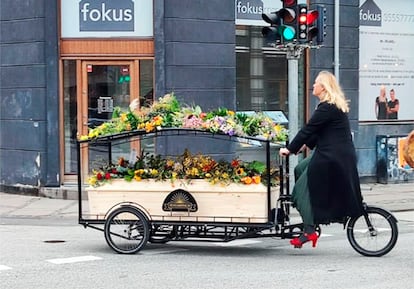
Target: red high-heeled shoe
297 243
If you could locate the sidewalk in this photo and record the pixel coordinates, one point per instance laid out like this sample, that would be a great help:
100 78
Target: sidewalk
393 197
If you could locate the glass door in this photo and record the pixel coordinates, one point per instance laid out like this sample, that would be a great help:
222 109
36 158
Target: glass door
106 85
91 91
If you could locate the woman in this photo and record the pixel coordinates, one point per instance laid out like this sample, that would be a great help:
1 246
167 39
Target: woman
327 187
381 106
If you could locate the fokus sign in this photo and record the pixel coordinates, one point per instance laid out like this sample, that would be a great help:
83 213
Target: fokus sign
106 18
99 15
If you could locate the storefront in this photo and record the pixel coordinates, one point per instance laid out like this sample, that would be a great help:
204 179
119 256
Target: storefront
67 63
106 59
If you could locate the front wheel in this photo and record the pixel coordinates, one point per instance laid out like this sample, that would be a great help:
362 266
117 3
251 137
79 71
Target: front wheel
373 234
126 230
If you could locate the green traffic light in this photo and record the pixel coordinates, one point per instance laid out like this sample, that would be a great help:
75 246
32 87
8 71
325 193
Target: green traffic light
288 32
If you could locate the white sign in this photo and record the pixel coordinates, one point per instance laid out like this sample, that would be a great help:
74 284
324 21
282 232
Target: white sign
249 12
106 18
386 57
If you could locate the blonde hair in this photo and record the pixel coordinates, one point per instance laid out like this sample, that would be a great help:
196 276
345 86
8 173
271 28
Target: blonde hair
333 92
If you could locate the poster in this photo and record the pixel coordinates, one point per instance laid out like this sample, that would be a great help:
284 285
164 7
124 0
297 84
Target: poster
386 56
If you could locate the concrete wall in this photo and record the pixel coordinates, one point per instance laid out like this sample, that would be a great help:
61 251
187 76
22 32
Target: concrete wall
195 51
28 92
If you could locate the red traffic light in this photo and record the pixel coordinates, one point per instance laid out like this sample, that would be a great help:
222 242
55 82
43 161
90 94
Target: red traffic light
303 18
312 16
289 3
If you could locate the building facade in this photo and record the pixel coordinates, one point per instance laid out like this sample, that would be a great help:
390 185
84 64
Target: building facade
65 64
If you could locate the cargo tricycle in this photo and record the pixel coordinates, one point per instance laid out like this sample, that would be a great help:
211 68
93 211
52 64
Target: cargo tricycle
133 210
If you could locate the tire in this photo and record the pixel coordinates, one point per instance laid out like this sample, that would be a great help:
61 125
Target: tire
126 230
380 239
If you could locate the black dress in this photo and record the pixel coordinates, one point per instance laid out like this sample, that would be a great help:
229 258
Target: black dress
333 180
382 108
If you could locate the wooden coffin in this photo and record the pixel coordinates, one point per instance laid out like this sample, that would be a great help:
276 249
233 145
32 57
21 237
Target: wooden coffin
195 200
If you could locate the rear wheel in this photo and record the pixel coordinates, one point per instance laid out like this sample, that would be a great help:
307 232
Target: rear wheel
126 230
373 234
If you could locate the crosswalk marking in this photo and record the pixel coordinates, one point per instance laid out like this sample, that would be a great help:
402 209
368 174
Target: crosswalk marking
73 259
4 267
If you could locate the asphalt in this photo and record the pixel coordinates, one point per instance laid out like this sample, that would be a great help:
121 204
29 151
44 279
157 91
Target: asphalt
393 197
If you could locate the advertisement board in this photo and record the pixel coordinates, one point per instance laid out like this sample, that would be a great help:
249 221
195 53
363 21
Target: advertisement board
386 60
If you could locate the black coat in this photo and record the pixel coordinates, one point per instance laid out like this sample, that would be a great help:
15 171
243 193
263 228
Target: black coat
333 181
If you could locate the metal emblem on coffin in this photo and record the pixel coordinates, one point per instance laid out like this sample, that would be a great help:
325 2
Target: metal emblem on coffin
180 201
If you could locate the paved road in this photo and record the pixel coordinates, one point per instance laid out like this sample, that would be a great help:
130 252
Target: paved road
393 197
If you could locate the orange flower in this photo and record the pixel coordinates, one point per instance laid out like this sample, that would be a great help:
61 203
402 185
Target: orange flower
256 179
247 180
149 127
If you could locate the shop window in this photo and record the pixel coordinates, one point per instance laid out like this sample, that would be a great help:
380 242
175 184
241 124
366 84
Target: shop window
70 115
261 73
146 80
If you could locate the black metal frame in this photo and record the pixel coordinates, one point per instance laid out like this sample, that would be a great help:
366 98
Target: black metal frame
277 224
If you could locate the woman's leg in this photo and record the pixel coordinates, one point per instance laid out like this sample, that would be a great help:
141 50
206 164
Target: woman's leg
301 200
300 193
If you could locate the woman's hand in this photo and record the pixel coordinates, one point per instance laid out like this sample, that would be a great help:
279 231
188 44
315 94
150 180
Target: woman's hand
302 149
284 152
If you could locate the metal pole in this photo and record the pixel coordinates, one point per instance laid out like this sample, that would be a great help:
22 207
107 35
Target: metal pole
336 40
293 54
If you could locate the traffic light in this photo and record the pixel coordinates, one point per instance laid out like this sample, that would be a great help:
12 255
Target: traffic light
282 23
289 15
271 33
302 23
321 24
311 21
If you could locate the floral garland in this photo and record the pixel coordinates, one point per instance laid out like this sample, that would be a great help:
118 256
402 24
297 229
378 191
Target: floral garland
167 112
185 167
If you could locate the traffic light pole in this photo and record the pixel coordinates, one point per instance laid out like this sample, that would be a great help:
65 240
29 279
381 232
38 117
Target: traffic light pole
293 54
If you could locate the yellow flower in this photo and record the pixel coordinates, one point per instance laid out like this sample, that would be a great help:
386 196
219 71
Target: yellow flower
193 172
230 112
141 125
149 127
157 120
240 171
92 180
123 117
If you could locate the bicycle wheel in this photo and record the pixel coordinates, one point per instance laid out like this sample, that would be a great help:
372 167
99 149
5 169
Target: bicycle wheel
126 230
373 234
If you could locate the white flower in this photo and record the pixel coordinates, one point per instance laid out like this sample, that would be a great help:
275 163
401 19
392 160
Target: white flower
134 104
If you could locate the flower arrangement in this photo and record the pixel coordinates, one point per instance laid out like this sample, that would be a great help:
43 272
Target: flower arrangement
185 167
167 112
